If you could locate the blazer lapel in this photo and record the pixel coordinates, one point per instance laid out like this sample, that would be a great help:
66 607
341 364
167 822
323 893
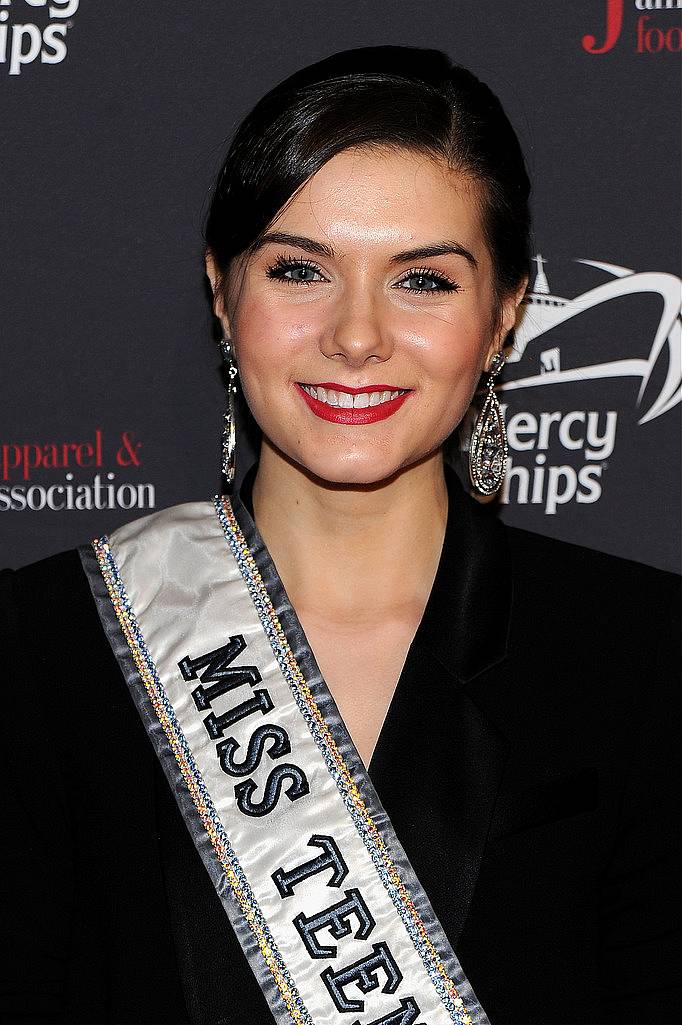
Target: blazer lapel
437 769
439 760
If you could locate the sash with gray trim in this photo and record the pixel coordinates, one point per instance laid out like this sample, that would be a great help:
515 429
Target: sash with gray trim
327 908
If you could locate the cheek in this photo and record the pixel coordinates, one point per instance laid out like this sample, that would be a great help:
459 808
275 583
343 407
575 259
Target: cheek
273 342
451 354
268 337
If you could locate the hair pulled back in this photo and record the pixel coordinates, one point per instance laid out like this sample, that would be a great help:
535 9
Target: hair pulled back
397 96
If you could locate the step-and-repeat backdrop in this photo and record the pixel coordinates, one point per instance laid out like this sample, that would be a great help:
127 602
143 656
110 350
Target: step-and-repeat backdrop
114 120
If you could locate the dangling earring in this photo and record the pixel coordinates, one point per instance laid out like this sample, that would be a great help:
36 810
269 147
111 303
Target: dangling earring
488 447
229 419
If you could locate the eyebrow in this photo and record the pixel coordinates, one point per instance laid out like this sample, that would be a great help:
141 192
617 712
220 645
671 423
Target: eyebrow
406 256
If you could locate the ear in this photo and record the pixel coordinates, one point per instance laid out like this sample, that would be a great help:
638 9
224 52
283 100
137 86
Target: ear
510 305
218 297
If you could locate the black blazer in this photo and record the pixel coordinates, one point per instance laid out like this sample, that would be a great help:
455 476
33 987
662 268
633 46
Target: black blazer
537 710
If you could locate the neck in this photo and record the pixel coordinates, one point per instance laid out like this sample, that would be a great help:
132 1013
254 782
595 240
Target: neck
350 550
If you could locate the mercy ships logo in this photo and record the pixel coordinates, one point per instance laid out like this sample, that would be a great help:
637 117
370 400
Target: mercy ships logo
543 311
570 449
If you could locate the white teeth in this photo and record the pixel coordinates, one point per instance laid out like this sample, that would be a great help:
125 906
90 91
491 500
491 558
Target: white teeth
347 401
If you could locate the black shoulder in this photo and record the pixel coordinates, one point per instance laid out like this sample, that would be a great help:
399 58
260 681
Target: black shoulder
47 576
565 565
605 617
51 629
47 600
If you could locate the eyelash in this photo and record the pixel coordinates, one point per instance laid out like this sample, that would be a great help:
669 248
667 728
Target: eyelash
445 284
282 264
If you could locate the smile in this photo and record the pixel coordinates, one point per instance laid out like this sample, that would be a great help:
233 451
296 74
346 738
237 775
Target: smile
340 404
345 400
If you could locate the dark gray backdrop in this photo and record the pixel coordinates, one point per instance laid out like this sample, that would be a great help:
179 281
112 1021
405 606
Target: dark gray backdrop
113 128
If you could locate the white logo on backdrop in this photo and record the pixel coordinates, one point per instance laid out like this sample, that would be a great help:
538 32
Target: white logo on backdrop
22 42
561 457
543 311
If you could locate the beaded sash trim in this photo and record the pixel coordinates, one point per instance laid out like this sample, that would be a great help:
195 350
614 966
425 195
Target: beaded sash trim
323 899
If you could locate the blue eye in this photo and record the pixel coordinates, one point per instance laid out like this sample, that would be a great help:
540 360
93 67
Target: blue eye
295 272
419 280
423 280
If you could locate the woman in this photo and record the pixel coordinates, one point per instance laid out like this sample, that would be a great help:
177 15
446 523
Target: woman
423 760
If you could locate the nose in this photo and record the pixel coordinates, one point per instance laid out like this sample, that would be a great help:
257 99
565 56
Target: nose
359 333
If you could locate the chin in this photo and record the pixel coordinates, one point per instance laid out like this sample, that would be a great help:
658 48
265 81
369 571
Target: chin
353 468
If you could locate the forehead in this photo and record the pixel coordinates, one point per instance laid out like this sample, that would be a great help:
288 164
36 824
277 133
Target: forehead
385 197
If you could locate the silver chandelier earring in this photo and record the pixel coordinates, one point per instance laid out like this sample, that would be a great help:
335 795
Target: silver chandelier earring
229 419
488 446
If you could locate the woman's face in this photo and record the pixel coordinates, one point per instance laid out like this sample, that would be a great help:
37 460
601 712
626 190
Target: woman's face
374 280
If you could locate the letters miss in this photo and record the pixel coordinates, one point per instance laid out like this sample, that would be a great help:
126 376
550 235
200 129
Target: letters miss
219 677
350 916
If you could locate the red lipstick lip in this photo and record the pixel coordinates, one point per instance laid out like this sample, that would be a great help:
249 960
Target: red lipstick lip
353 391
356 417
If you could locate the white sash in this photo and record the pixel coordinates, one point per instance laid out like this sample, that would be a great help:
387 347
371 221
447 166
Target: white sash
327 908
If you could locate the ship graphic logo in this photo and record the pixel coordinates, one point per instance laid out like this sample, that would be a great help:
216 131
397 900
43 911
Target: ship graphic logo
540 311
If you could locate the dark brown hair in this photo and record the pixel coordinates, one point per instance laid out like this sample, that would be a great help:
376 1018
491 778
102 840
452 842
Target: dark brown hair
403 97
